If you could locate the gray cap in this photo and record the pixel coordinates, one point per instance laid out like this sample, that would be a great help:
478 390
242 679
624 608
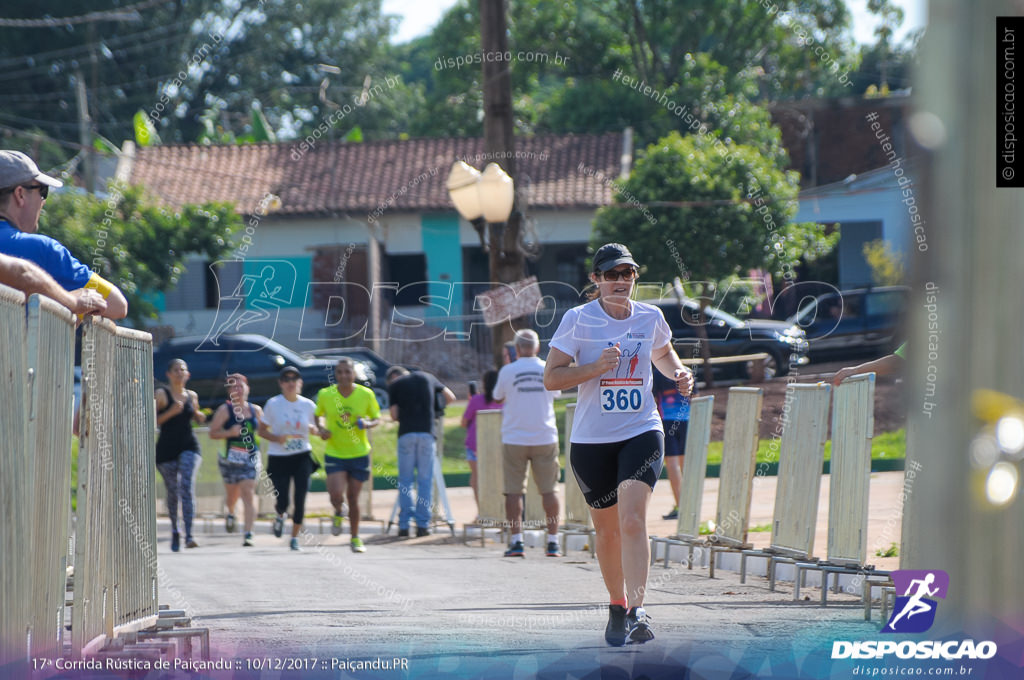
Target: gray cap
17 168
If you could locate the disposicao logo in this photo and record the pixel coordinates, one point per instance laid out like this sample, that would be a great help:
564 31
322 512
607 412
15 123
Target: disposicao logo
914 612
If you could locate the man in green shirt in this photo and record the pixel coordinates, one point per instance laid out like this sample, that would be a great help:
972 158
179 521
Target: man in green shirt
345 411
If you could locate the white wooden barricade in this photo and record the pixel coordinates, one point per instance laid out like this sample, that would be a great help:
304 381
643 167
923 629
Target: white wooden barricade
691 489
50 352
853 407
15 561
695 465
115 586
736 480
799 478
853 428
36 369
490 479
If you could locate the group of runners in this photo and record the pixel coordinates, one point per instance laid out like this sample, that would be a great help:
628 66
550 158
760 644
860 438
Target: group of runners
342 414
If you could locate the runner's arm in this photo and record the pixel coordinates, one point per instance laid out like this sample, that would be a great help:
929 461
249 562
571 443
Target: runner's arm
197 415
667 361
265 432
559 375
174 409
217 430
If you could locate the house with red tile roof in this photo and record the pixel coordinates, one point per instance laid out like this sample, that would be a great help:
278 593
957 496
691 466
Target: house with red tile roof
313 212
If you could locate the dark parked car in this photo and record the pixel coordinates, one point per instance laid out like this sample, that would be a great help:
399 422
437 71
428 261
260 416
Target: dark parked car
852 323
259 359
784 343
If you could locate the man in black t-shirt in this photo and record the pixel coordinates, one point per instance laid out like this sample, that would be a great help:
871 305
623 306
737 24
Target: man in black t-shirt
414 399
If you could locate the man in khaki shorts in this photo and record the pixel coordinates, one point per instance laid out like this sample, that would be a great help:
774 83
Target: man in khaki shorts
528 433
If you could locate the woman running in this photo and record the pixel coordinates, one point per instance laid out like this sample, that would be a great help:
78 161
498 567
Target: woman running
238 421
606 347
177 449
288 420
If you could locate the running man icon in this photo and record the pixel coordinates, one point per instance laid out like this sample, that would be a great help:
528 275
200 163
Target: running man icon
915 605
917 586
254 303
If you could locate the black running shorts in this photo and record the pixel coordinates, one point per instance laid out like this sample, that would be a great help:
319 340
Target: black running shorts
600 468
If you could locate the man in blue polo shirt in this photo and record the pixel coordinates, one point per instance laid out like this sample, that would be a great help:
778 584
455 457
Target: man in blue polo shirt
23 190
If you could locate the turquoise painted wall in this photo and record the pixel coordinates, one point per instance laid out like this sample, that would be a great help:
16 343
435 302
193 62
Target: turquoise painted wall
283 280
443 249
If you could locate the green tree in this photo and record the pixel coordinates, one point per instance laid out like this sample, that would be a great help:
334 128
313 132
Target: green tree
140 246
886 265
720 208
693 51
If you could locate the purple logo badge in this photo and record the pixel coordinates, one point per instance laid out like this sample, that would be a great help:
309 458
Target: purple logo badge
914 610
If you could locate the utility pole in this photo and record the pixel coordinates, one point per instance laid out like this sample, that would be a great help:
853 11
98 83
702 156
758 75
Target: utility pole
85 132
506 262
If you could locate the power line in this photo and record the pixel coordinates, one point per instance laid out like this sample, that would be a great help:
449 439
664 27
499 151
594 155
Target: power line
113 41
35 121
142 47
129 13
45 138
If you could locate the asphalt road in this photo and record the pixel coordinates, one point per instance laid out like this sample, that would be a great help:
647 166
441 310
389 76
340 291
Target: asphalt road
451 610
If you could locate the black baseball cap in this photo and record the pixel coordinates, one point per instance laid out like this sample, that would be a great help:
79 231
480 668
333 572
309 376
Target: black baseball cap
612 255
289 370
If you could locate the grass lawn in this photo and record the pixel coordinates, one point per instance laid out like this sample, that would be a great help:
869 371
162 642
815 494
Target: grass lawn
886 446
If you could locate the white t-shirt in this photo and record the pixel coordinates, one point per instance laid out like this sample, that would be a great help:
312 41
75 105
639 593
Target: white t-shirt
528 414
290 418
618 405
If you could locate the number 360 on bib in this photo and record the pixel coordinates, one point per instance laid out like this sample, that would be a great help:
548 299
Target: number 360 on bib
622 395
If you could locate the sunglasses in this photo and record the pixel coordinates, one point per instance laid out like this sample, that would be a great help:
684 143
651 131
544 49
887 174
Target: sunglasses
44 190
290 378
619 275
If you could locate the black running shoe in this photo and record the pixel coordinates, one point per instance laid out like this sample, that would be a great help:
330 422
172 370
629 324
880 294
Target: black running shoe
615 631
175 542
515 550
403 533
638 624
422 531
554 550
279 525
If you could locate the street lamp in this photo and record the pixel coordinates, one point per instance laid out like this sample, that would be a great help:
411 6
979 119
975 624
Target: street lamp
481 198
486 201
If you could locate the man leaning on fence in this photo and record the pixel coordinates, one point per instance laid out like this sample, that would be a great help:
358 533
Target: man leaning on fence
414 399
23 191
30 279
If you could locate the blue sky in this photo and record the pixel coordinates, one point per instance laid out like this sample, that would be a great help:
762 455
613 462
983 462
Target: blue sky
419 16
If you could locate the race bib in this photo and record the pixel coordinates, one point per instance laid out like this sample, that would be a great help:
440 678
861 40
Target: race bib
622 395
238 456
295 444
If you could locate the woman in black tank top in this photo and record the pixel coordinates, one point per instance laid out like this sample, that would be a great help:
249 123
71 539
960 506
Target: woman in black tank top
177 449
